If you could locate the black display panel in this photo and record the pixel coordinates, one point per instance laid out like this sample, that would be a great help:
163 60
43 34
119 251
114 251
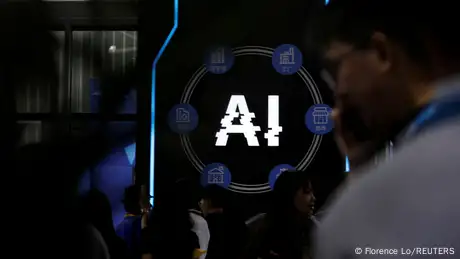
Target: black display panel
182 78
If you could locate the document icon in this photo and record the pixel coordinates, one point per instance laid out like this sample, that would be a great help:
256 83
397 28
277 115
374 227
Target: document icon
182 115
182 118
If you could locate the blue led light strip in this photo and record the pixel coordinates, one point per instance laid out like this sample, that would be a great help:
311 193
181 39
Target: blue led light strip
347 165
152 118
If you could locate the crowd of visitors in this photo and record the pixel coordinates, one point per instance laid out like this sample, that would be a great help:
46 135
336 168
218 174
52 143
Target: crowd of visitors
195 222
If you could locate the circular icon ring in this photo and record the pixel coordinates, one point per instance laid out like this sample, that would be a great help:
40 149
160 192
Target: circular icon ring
306 79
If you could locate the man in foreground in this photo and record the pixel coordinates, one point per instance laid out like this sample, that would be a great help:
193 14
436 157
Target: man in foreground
397 71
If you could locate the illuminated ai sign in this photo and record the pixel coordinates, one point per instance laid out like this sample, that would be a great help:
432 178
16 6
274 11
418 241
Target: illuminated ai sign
238 109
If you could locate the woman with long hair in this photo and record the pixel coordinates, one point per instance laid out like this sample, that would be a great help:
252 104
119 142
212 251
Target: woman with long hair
284 232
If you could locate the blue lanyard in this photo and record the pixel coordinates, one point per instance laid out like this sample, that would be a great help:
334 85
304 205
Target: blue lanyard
438 111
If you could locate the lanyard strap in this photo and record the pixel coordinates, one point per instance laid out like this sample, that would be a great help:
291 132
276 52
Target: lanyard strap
439 111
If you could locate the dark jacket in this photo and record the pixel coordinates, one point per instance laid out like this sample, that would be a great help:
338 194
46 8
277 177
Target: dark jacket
227 236
130 231
268 239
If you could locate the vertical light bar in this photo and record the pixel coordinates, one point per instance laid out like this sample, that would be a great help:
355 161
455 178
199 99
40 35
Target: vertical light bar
152 117
347 165
326 2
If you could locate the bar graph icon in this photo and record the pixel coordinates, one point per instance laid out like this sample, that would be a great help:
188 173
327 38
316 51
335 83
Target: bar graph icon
219 59
218 56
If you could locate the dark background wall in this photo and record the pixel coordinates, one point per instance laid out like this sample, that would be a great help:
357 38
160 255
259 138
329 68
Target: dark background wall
236 24
81 28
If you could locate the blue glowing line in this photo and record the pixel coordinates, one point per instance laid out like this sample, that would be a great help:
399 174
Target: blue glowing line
152 118
326 2
347 165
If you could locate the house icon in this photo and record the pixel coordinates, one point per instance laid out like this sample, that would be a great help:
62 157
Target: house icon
216 175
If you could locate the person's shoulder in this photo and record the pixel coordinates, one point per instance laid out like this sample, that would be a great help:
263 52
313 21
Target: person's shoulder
98 248
419 181
256 220
428 159
198 219
257 226
128 224
200 225
124 222
423 159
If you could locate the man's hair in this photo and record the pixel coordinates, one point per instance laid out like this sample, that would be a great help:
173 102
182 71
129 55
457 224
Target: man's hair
216 195
415 25
286 187
131 199
188 193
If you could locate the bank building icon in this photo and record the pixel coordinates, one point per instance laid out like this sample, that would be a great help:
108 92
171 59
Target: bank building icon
216 175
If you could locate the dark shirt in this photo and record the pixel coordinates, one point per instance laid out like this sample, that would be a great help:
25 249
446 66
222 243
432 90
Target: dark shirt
130 231
278 239
227 236
117 248
166 244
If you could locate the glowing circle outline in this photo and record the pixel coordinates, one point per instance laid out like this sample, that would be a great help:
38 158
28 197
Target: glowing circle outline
248 51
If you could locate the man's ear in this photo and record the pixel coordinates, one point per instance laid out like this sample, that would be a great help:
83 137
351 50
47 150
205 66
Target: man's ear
384 50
